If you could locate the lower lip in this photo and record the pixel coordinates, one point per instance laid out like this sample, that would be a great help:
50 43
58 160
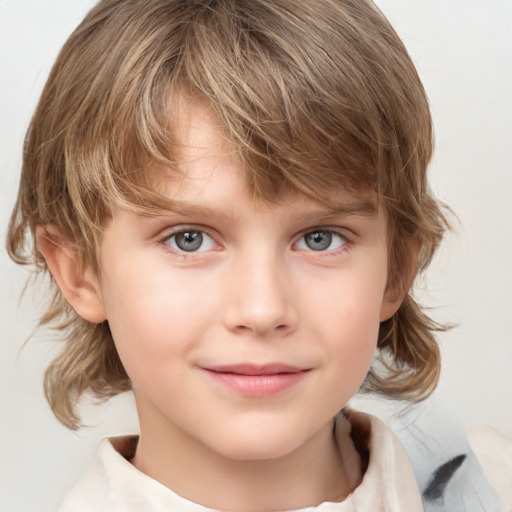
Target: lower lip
257 385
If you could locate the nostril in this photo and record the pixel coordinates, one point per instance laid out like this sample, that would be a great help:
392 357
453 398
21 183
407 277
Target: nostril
262 330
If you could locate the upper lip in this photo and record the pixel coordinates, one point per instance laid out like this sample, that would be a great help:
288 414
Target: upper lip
256 369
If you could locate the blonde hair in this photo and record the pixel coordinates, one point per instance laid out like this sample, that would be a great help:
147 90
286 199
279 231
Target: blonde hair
314 94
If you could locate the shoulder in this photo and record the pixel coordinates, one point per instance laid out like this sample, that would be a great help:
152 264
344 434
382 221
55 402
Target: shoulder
451 472
113 484
95 491
389 478
494 453
445 474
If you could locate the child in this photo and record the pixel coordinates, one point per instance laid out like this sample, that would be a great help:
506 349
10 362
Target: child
231 199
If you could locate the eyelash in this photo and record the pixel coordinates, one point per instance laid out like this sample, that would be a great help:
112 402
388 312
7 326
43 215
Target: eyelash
182 230
345 245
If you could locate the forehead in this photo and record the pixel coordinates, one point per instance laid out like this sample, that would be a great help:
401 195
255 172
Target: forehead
221 191
209 164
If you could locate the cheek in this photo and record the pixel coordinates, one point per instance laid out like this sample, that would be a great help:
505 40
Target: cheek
354 342
350 313
352 349
360 337
153 316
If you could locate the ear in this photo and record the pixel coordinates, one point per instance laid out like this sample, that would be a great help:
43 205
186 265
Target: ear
80 288
394 295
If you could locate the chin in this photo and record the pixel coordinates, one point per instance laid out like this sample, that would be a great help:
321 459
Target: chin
263 451
260 443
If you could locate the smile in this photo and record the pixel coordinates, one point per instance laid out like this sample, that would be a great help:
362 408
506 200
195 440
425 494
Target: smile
255 380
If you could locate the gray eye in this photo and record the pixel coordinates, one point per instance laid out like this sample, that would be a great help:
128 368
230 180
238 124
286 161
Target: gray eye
321 240
191 240
318 240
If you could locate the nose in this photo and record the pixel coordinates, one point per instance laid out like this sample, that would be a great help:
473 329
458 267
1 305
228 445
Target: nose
260 297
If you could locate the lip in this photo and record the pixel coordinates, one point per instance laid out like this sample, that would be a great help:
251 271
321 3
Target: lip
257 380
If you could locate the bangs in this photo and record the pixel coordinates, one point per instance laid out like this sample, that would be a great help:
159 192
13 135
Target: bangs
302 117
313 97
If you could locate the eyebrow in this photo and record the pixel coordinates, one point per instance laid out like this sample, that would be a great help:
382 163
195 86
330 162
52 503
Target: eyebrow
358 208
363 208
188 209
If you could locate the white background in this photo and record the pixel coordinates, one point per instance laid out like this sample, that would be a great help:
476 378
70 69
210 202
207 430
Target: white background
463 50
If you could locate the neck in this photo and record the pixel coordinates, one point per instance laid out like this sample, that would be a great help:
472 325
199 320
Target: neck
324 468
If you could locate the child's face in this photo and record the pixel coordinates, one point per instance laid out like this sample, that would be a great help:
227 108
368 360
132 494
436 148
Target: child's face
244 326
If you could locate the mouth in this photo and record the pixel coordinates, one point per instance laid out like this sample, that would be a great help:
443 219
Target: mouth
257 381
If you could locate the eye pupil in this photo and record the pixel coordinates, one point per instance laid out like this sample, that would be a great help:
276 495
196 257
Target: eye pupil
189 241
318 240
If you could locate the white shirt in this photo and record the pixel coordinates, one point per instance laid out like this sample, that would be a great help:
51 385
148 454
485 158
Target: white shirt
112 484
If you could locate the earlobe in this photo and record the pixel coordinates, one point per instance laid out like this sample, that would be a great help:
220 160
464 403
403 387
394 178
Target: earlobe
390 306
395 295
79 289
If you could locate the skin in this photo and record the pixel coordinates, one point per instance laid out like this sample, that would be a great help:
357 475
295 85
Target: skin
253 293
